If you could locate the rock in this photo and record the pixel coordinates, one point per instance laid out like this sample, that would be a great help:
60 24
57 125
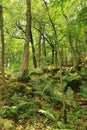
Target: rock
18 87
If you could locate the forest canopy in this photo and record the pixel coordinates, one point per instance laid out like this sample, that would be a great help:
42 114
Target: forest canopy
56 27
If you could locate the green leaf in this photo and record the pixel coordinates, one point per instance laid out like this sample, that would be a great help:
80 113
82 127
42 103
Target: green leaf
47 114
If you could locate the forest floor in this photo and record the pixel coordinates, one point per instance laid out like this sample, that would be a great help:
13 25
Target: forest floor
37 103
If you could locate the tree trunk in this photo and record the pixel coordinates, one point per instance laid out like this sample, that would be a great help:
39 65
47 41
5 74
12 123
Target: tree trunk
27 39
86 35
78 51
58 57
44 50
73 51
55 35
85 46
4 93
53 55
70 42
2 46
66 60
39 45
33 50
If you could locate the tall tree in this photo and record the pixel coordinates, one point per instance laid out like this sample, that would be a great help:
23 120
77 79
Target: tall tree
59 58
39 43
33 50
2 46
27 39
55 35
4 92
86 35
75 62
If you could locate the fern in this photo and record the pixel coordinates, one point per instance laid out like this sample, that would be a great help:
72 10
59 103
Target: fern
47 113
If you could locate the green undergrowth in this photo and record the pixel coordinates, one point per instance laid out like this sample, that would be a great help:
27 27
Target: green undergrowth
37 104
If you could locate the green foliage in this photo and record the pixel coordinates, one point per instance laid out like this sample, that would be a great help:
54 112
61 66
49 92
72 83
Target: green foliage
84 89
70 77
20 109
44 98
82 15
23 78
47 113
45 102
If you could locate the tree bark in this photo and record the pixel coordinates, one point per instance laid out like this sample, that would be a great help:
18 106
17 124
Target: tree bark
72 51
2 47
33 50
44 50
4 92
86 35
53 55
39 44
27 39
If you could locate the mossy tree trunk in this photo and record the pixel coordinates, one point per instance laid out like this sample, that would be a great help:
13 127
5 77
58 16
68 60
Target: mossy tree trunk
3 92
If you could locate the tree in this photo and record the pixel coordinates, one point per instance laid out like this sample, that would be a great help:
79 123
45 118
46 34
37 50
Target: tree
27 39
33 50
55 34
59 35
75 62
2 46
39 43
4 92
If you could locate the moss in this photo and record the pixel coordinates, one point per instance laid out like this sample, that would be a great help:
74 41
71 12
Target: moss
6 124
19 87
23 79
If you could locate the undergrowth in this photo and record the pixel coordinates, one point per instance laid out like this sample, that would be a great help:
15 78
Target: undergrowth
43 104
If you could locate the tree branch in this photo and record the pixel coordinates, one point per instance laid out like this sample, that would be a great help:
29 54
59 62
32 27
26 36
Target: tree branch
20 27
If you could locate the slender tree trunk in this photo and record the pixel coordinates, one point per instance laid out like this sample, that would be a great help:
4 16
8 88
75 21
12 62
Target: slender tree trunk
73 51
85 46
56 58
86 35
44 50
53 55
39 44
33 51
66 60
78 51
59 60
62 56
70 42
27 39
2 46
4 92
55 35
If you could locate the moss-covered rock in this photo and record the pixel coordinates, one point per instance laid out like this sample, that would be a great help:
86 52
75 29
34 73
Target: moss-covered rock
23 79
18 87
